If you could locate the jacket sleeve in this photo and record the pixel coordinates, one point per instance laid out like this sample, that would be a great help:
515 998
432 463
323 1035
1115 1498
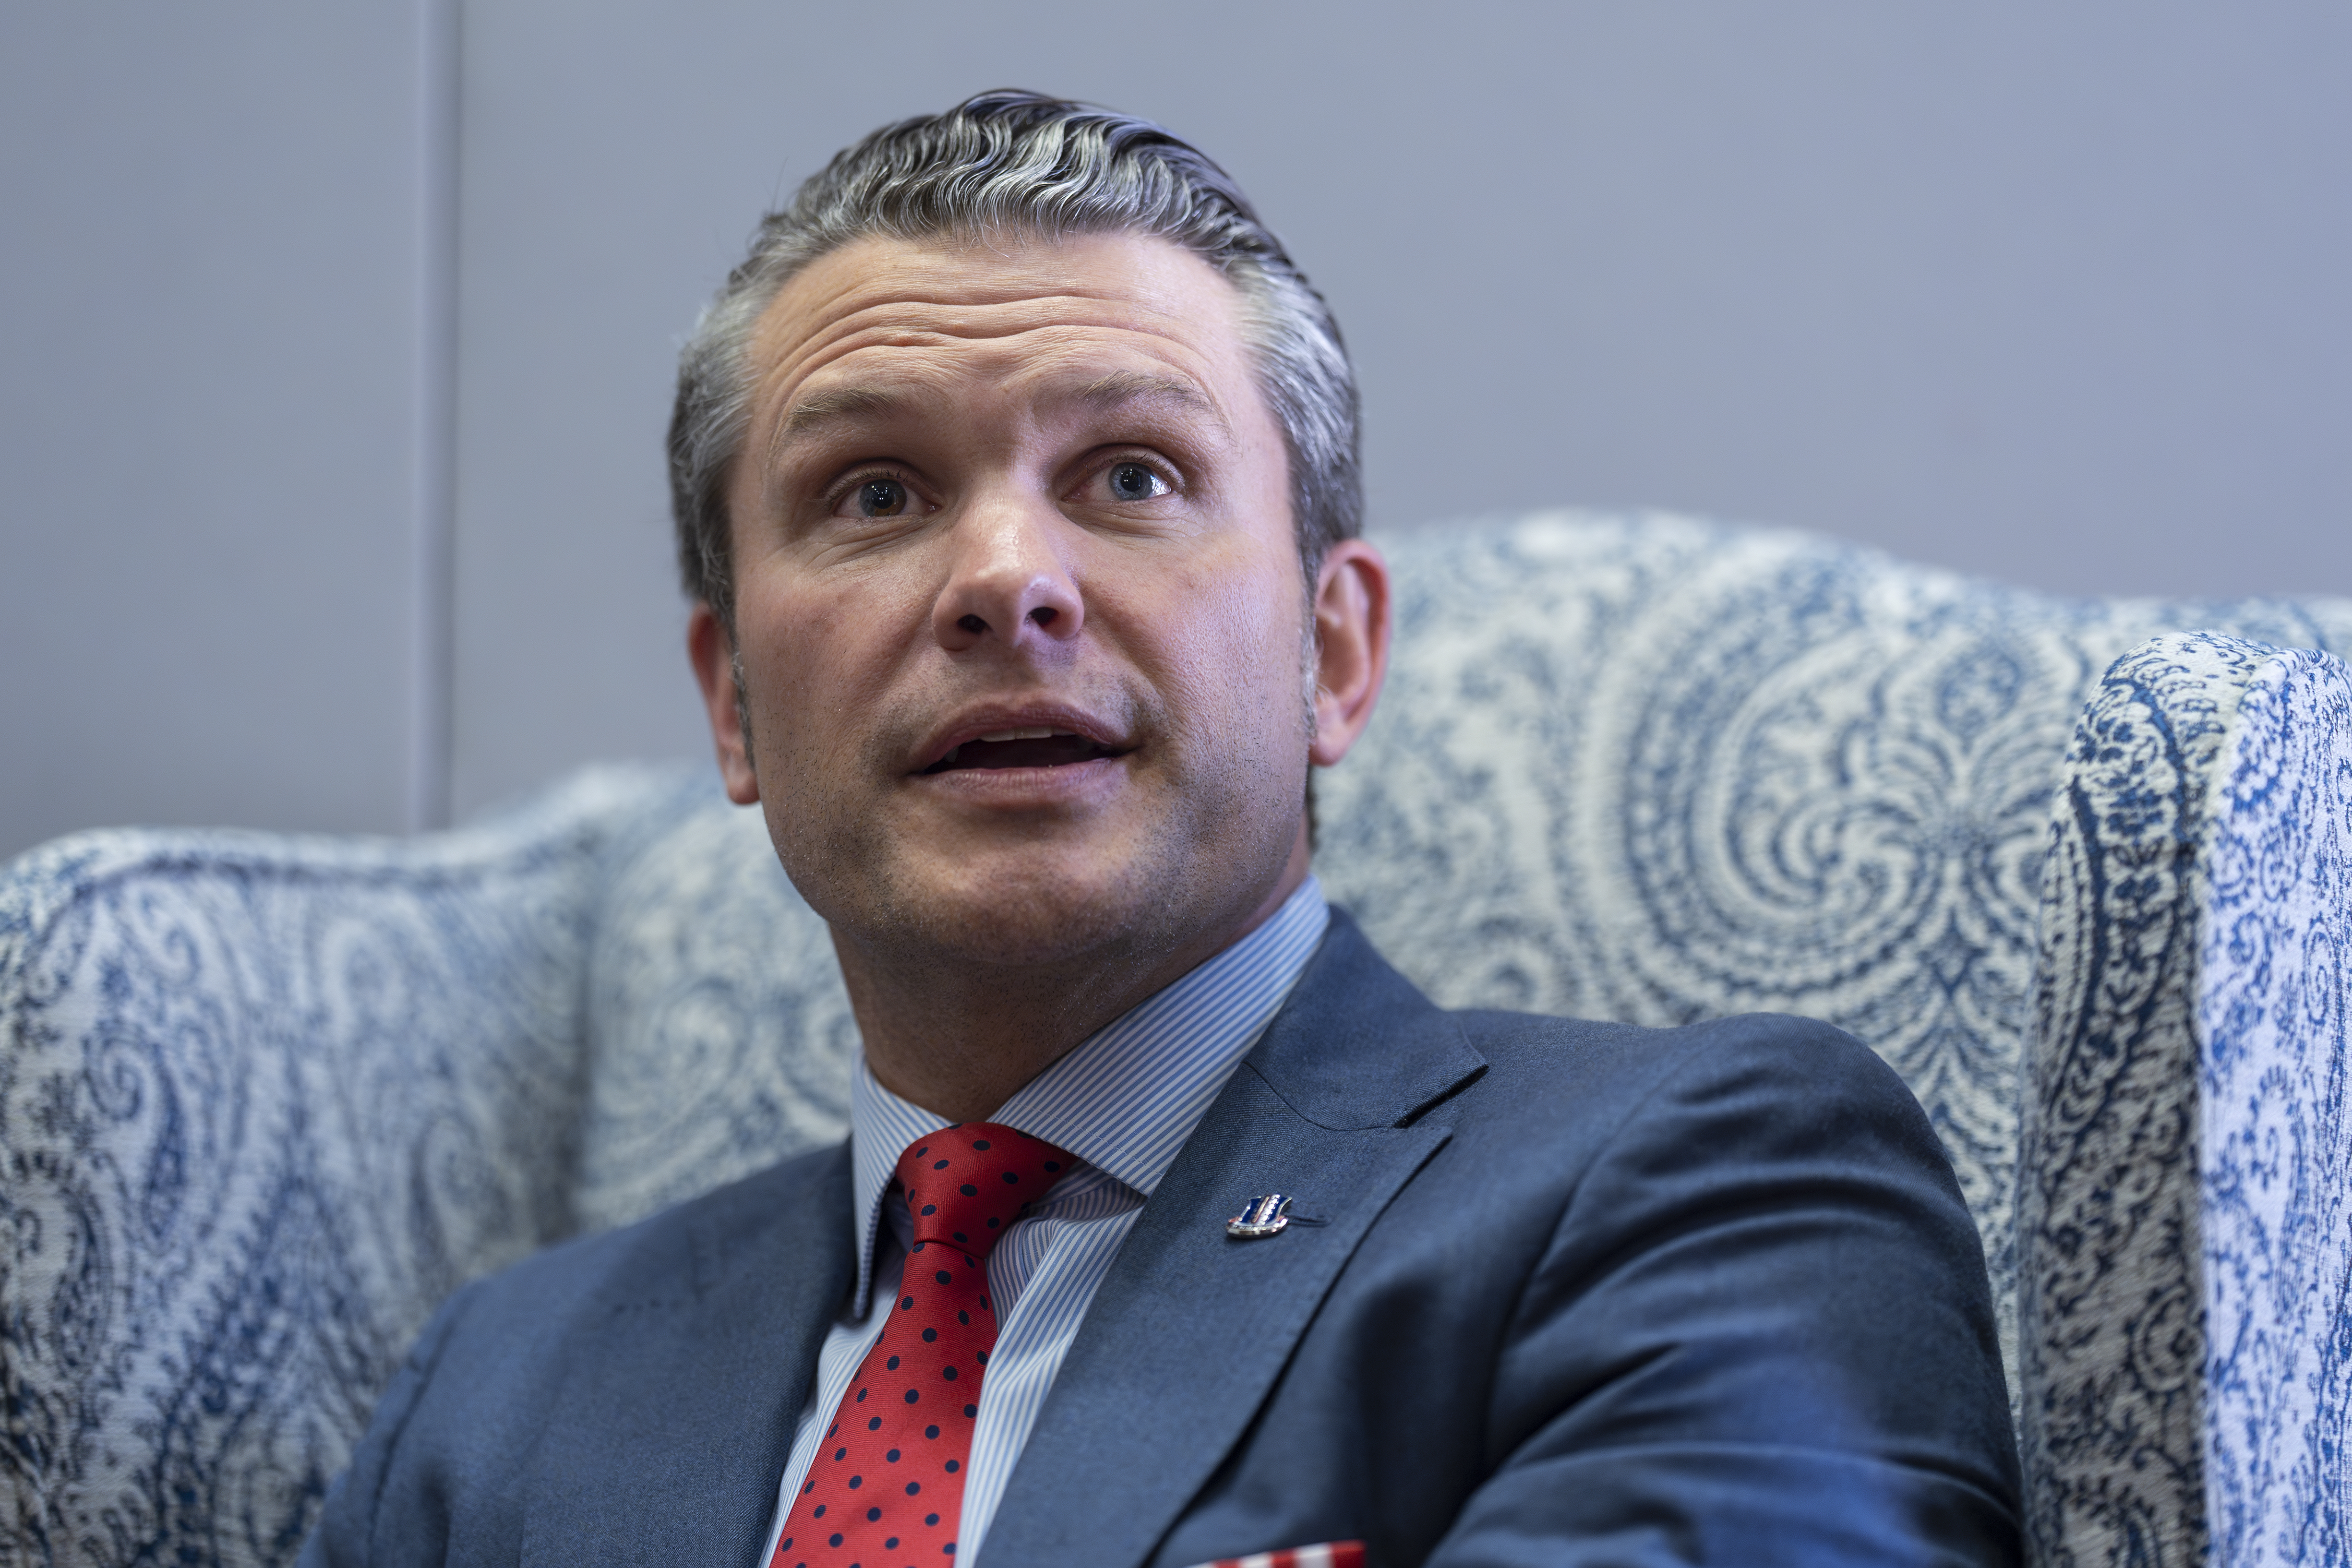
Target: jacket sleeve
1762 1333
346 1535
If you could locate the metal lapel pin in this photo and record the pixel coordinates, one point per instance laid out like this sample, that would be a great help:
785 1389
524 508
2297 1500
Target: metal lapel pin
1265 1217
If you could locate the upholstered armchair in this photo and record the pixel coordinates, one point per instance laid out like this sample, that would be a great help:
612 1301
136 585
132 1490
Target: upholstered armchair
2078 869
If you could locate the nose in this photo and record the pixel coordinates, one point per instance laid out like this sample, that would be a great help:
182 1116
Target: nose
1008 584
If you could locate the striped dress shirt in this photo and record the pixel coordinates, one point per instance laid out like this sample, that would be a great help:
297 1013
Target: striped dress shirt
1123 1103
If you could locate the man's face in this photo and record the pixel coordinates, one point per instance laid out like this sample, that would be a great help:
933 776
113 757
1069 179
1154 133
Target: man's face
1024 636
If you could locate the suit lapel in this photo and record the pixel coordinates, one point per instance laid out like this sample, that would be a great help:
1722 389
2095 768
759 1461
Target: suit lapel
1192 1327
701 1365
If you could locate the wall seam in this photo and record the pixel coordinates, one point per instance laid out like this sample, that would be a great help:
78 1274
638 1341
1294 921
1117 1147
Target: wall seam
434 632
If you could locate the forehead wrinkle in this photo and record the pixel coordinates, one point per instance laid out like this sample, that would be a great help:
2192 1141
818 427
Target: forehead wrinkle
914 324
1170 388
851 315
882 290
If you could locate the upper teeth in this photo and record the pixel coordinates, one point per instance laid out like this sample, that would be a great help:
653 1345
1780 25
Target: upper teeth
1023 735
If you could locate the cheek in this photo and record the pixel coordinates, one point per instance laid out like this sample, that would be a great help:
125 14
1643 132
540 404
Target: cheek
1234 650
816 652
785 635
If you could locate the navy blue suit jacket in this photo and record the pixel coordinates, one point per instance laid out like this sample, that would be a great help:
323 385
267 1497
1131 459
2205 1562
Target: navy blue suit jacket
1583 1293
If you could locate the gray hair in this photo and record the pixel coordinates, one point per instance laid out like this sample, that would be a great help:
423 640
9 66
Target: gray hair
1021 163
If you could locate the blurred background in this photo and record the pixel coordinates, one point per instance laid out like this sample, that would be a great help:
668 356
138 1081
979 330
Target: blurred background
336 345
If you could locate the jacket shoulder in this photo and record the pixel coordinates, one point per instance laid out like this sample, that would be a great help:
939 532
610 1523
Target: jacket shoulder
1595 1051
1754 1075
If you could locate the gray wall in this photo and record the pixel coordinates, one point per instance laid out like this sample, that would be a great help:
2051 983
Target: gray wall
2054 295
210 340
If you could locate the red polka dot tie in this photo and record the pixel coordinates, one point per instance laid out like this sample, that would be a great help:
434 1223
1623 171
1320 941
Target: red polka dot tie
886 1487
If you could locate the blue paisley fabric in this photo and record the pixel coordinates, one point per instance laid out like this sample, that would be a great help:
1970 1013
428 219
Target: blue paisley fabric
264 1101
2273 1011
2186 1234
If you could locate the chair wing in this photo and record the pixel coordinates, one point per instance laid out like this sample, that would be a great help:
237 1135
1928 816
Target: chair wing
2186 1232
264 1102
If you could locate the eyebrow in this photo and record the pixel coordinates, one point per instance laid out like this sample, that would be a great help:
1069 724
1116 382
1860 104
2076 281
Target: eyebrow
819 409
1122 387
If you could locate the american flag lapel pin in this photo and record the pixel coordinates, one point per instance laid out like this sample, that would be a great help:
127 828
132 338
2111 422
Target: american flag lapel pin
1264 1215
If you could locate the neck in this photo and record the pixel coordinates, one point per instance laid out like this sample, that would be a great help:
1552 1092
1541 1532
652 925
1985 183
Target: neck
1011 1021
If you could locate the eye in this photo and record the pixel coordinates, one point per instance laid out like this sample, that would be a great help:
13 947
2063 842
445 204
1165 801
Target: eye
1134 482
880 496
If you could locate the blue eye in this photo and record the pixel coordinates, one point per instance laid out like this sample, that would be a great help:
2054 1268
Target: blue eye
1134 482
881 498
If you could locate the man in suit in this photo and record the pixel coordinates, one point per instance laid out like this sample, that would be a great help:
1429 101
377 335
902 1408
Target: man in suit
1016 478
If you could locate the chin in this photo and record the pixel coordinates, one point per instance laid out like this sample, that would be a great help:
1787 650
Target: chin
1032 908
1041 913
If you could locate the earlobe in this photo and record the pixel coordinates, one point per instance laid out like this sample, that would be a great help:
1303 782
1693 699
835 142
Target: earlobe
1352 635
712 652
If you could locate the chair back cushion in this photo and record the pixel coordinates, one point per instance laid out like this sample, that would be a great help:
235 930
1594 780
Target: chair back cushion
720 1034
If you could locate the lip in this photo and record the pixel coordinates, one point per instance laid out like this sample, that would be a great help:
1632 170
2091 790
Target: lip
992 718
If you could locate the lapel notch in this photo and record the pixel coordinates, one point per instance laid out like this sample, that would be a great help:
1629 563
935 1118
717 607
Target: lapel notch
1358 1045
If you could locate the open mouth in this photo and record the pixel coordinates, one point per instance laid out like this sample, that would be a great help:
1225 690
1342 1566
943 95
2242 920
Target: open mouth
1037 747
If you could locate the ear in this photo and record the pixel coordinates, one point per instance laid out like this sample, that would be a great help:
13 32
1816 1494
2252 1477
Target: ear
1351 641
712 652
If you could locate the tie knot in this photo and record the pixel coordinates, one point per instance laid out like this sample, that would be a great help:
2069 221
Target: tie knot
967 1183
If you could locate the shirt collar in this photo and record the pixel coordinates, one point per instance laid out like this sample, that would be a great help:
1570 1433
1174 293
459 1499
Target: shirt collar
1127 1098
